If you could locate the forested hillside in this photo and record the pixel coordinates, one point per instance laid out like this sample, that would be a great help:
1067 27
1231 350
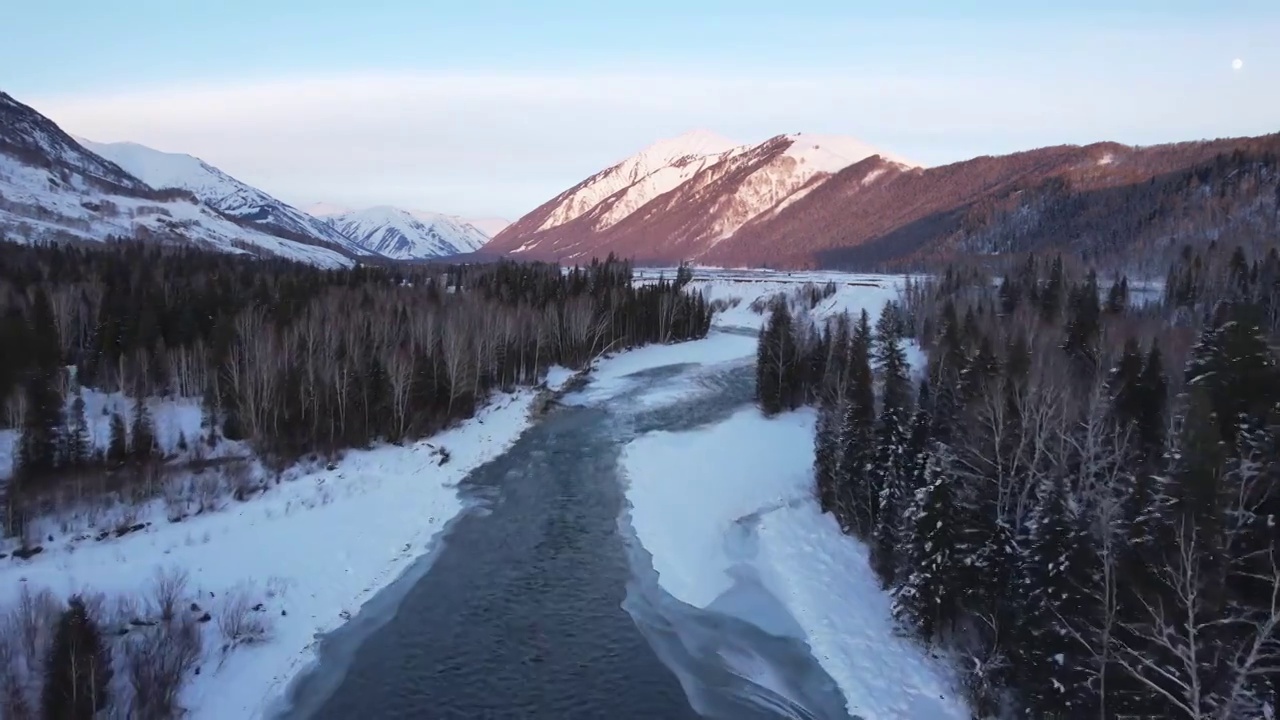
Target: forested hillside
291 359
1077 502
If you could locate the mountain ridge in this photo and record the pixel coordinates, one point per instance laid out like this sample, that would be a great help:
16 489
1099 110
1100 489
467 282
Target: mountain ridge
220 190
402 234
53 189
779 205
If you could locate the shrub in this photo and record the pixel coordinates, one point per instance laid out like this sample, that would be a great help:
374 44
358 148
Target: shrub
238 620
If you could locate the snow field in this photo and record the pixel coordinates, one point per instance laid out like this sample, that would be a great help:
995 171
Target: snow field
316 546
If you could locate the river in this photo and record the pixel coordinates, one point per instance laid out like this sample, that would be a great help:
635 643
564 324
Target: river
540 603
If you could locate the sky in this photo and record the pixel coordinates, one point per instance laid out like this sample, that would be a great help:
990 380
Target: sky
489 108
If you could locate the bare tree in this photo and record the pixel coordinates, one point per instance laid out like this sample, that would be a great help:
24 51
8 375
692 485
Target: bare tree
1210 658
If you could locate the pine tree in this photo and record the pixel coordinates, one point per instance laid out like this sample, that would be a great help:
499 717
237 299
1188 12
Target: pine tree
858 497
79 444
1084 324
1234 365
78 670
1054 569
142 436
826 455
1124 385
1154 406
778 366
118 447
890 477
44 423
1118 297
929 595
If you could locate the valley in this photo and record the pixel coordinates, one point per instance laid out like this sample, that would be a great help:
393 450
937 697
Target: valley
642 361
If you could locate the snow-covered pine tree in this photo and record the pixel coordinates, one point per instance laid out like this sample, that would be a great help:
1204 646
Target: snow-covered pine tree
777 366
929 594
890 475
826 455
1054 568
857 497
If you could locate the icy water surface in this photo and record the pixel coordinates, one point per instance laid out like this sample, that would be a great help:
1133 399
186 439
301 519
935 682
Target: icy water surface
540 603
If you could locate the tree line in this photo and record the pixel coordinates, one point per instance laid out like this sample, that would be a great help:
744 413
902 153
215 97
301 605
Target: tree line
1078 498
290 358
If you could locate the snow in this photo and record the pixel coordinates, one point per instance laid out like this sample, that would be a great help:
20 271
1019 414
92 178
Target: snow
409 234
871 176
176 170
318 545
670 161
614 377
691 494
71 193
39 205
854 292
173 419
558 376
827 153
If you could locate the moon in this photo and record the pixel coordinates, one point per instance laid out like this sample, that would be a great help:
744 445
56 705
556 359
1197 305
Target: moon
1237 64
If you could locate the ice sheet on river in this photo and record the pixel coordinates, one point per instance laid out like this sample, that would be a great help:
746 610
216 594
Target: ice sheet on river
734 497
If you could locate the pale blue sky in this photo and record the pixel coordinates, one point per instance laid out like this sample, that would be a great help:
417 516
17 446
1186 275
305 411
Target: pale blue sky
490 107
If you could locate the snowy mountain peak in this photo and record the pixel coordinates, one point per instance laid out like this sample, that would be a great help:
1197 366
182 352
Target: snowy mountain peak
685 194
408 234
695 143
31 137
222 192
57 190
621 189
832 153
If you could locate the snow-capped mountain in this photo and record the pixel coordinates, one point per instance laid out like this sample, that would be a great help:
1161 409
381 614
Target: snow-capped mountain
681 196
408 234
617 191
221 191
805 201
54 189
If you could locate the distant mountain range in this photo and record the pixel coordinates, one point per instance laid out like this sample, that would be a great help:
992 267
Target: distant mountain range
804 201
792 201
57 187
404 234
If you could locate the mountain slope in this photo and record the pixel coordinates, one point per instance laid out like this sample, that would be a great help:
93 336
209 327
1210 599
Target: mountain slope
222 192
680 197
614 192
54 189
802 201
1104 199
408 234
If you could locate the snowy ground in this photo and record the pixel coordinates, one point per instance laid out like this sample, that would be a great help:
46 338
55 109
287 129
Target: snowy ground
174 419
316 547
690 494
